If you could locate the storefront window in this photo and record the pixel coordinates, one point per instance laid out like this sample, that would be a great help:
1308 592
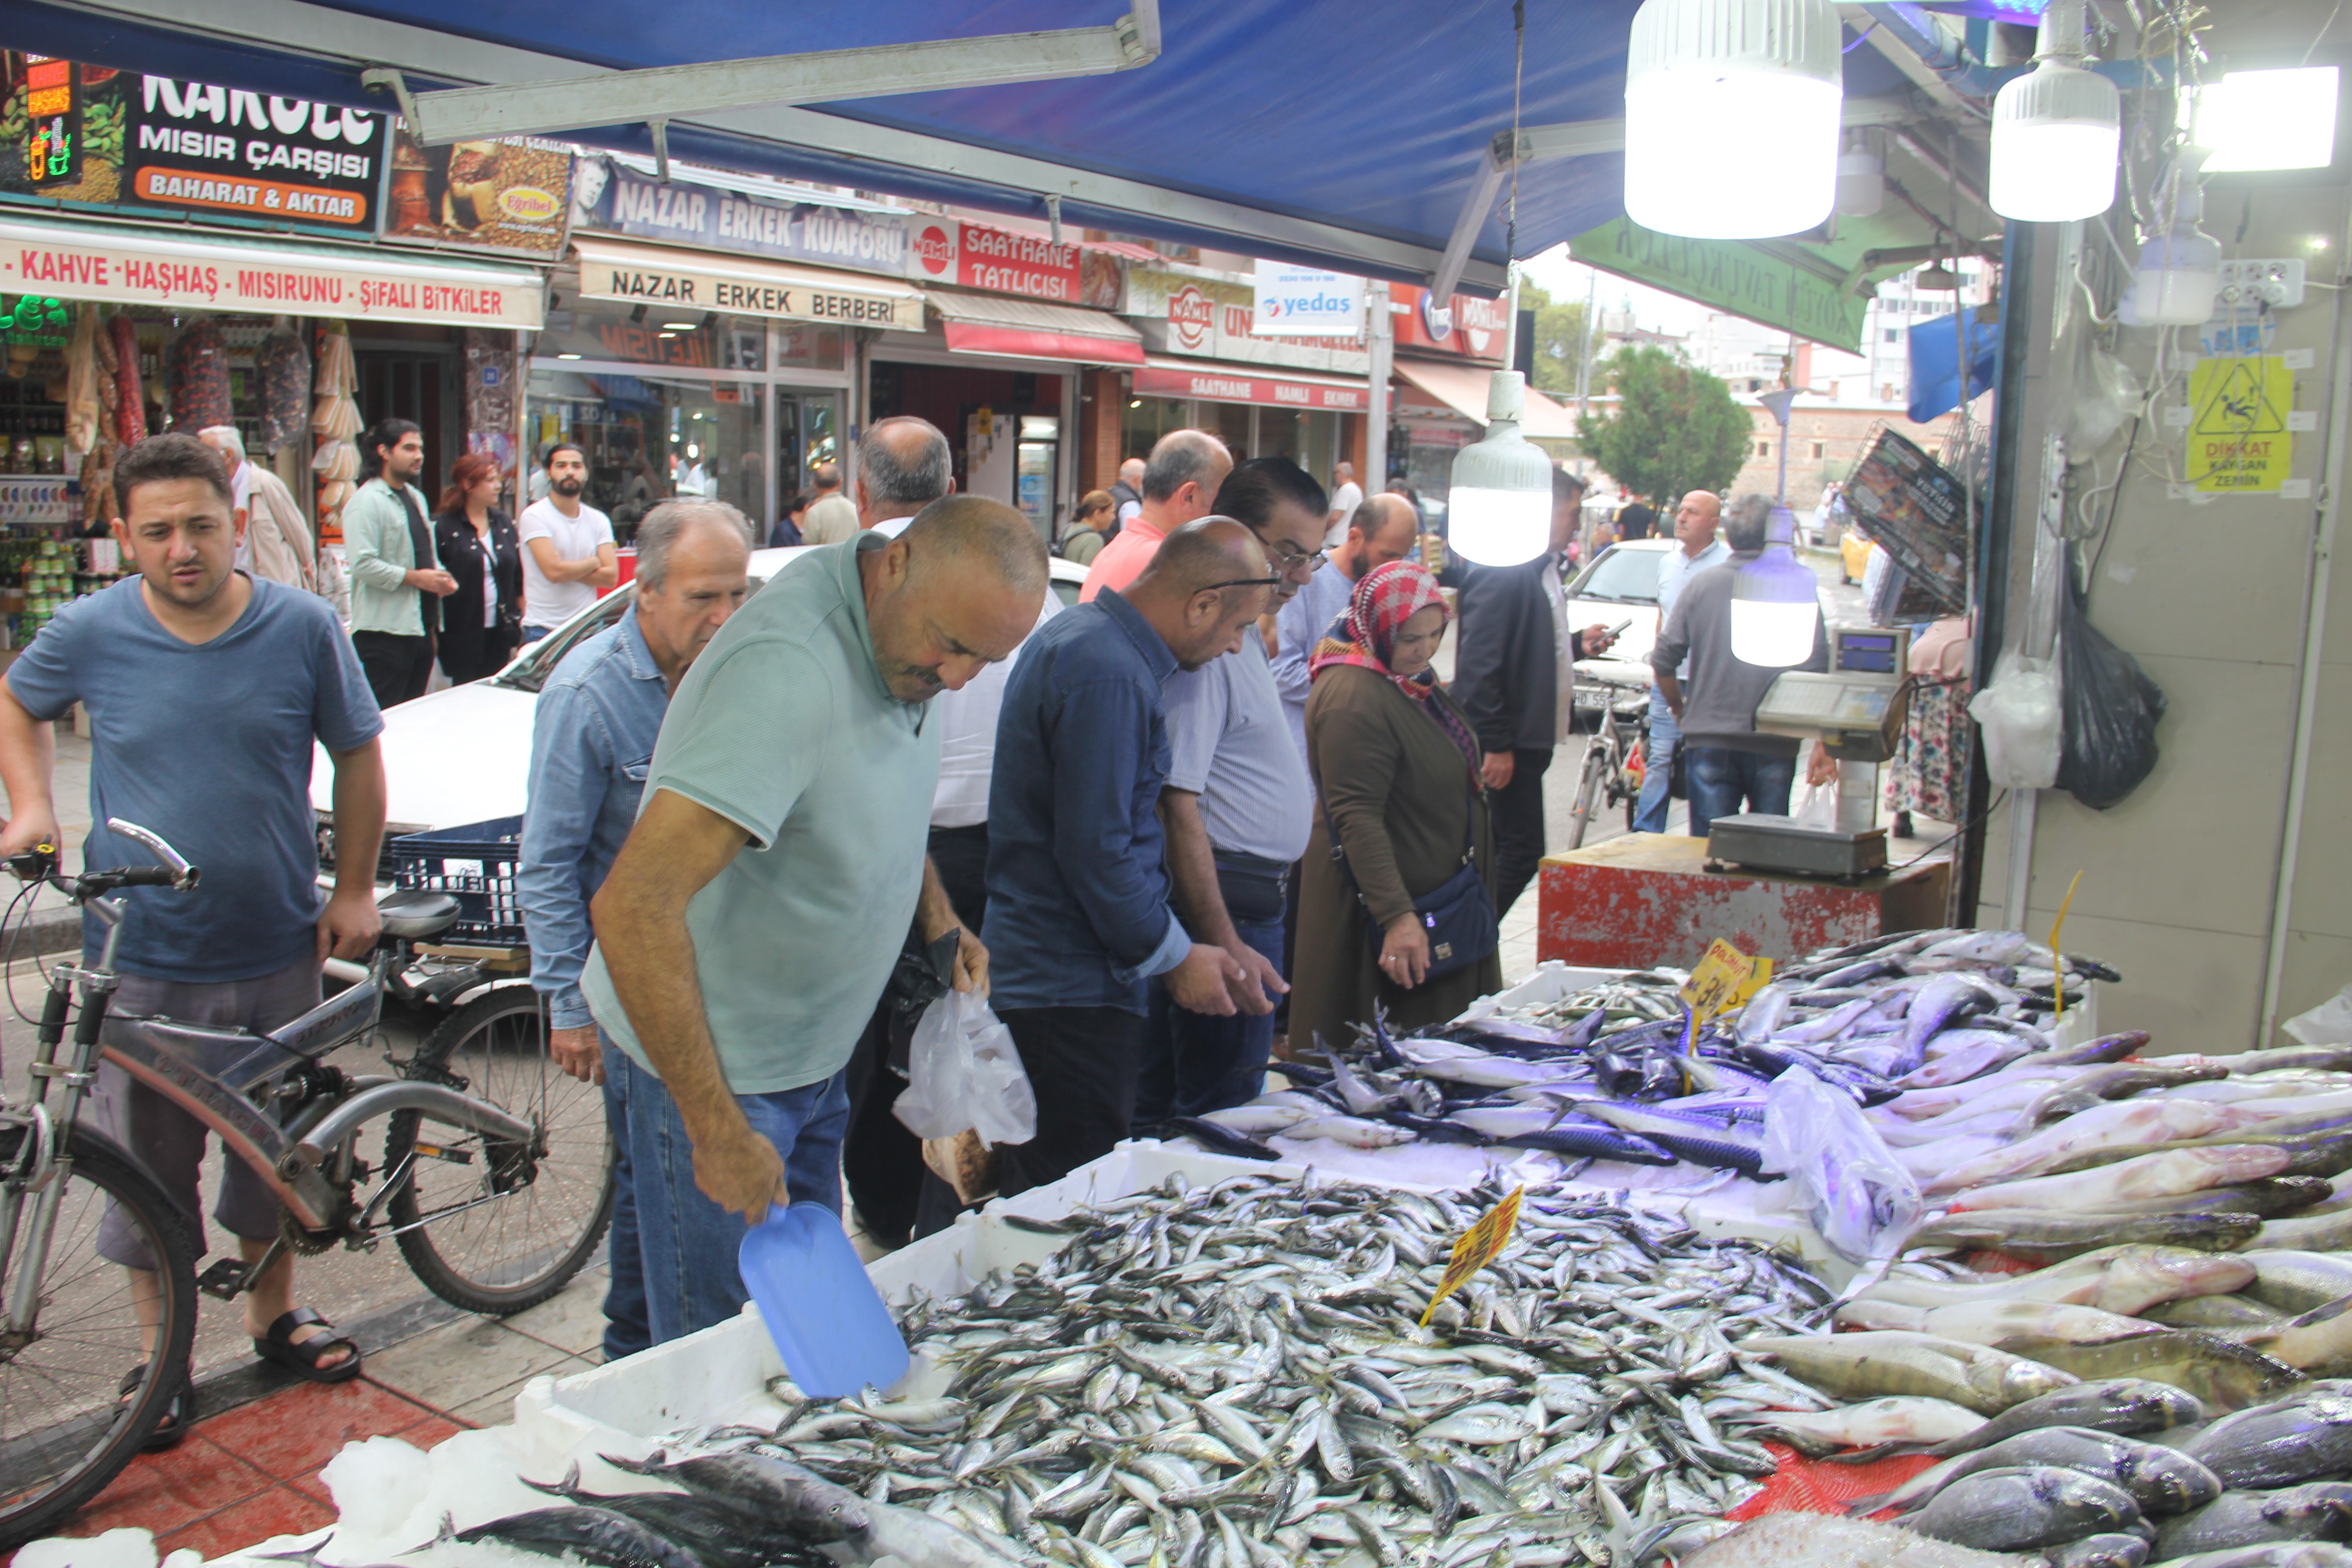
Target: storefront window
649 336
1278 435
650 438
807 345
1230 422
1147 419
1429 455
808 432
1318 443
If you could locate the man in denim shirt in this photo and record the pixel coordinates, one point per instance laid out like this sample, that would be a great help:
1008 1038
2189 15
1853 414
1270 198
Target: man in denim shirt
1078 918
591 742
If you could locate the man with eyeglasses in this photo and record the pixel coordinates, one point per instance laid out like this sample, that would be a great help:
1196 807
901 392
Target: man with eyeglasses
1237 805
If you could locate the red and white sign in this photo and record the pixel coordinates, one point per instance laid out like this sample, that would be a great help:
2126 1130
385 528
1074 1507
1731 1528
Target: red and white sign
69 263
978 256
1481 330
1218 386
1191 318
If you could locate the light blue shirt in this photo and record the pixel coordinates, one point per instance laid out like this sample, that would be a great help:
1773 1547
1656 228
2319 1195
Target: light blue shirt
1299 626
1674 568
591 741
1229 744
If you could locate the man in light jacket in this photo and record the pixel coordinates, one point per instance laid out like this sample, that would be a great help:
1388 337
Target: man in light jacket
397 584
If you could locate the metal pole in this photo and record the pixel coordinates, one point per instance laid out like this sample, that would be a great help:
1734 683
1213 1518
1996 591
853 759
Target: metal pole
1380 343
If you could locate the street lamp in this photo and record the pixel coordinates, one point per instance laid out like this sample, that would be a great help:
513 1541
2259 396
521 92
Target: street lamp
1498 508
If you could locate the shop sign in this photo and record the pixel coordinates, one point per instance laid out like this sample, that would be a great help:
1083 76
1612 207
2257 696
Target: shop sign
1480 328
688 287
1207 318
616 200
1732 275
1218 386
218 278
1307 302
53 107
1001 262
195 144
511 196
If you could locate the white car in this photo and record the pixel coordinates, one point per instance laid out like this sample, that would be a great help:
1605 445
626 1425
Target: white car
463 755
1620 586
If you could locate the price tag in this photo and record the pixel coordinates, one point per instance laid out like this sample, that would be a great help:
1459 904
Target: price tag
1724 979
1479 1245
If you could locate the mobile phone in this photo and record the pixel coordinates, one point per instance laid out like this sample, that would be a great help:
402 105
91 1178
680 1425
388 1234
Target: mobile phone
1619 629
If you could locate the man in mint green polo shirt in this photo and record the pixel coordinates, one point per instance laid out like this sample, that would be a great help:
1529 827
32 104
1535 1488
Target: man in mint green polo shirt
751 918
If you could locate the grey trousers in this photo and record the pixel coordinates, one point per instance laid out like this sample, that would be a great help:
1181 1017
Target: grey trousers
168 1140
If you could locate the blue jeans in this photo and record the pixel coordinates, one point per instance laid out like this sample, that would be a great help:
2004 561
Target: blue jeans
1657 782
625 1328
532 634
1197 1062
686 1243
1719 779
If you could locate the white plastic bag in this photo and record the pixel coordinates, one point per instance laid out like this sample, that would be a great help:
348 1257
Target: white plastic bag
2329 1024
2023 721
1818 808
965 1073
1861 1198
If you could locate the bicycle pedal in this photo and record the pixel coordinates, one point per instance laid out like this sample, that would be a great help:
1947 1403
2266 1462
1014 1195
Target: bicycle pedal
225 1279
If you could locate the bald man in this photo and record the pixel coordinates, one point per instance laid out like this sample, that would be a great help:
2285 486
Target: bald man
1347 495
904 464
1079 919
1127 491
1695 549
831 517
1180 481
754 912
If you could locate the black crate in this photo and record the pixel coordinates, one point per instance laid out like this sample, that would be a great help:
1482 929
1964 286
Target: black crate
476 864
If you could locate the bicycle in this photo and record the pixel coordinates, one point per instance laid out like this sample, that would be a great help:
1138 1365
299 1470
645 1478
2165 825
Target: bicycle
1622 735
495 1179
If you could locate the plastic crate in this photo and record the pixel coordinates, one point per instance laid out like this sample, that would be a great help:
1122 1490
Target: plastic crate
477 865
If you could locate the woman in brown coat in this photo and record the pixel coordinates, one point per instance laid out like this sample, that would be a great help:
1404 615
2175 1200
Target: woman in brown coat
1395 767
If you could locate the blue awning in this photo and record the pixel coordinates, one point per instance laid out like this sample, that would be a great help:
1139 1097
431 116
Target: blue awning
1347 136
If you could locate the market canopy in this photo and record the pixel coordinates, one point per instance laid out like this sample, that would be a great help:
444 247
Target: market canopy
1355 137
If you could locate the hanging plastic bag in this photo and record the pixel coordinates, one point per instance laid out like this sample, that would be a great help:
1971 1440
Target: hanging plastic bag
2111 712
966 1074
2329 1024
1818 808
2023 722
1861 1198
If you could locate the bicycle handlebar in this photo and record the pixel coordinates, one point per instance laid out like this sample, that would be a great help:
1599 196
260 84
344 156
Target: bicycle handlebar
39 864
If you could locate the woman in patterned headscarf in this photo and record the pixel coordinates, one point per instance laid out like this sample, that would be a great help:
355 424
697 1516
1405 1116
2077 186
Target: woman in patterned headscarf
1396 772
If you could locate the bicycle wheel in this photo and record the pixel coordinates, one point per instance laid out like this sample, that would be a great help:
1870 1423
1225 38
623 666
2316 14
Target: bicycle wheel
476 1237
1588 790
64 1428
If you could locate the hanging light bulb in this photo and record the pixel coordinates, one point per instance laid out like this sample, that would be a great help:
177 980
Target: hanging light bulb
1498 510
1861 178
2179 269
1705 76
1776 605
2056 131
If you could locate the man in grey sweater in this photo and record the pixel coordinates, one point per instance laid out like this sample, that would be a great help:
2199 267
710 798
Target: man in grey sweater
1727 760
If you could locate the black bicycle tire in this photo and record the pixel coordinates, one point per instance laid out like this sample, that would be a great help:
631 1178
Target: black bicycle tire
135 1192
425 1260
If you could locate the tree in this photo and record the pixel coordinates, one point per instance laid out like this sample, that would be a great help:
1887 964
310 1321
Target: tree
1560 343
1676 427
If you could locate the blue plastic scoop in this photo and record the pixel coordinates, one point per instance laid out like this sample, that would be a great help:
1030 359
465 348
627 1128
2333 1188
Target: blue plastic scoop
827 1318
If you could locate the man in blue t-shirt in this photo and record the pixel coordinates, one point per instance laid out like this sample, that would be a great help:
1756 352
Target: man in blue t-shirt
205 690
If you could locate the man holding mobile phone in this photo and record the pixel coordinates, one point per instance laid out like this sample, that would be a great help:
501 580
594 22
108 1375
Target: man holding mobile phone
1515 677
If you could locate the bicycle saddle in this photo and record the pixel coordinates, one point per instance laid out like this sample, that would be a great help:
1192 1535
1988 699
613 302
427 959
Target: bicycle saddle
416 915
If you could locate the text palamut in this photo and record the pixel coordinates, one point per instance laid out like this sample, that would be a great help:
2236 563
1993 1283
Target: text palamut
754 299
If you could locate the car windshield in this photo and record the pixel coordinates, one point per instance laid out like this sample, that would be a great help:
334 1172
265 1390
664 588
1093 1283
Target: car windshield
529 672
1631 576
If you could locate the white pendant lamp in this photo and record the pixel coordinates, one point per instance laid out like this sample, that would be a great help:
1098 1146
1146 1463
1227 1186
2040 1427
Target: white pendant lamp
1861 178
2056 131
1731 117
1498 510
1776 603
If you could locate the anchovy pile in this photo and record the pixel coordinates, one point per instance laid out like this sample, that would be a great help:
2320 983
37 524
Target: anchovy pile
1232 1376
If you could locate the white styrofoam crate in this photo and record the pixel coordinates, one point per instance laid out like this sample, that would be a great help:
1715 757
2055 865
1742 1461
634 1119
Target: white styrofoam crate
1550 981
721 1374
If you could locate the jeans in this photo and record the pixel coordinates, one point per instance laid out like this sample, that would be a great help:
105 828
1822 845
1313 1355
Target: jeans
625 1330
1519 818
1657 783
685 1242
532 634
1720 778
1197 1062
1081 1063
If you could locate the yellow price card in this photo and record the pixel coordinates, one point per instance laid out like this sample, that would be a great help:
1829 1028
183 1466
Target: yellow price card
1479 1245
1725 979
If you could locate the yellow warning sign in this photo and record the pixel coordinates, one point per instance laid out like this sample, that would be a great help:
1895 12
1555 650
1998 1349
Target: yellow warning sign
2237 440
1479 1245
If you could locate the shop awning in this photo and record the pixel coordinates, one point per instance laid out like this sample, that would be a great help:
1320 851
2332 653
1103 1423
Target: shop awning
132 265
1032 329
1251 383
668 279
1463 388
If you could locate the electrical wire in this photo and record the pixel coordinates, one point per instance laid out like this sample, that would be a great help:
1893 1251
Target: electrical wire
1518 69
1990 807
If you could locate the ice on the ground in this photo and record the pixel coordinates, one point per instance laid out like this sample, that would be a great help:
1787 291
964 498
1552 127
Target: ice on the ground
376 1485
392 1497
129 1548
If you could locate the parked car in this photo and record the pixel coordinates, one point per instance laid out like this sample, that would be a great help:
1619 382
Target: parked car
1620 584
463 755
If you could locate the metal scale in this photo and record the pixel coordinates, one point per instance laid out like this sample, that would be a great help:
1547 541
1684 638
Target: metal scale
1857 710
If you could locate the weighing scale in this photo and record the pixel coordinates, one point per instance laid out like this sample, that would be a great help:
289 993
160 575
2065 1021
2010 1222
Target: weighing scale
1857 710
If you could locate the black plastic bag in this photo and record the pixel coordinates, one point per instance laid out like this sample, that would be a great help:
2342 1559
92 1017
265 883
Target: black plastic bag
2112 710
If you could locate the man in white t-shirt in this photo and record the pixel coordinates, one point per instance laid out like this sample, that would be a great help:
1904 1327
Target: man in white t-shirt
568 553
1345 498
224 440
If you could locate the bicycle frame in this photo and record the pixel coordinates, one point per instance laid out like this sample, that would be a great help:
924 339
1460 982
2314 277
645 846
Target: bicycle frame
305 1162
